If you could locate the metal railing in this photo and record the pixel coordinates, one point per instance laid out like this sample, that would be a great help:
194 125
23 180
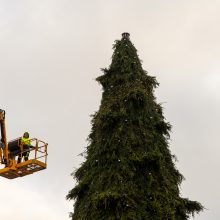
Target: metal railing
37 150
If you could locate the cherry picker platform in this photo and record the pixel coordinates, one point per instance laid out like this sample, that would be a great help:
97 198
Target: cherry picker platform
12 168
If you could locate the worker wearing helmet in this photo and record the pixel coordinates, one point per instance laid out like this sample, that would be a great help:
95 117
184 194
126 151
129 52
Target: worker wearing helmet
26 143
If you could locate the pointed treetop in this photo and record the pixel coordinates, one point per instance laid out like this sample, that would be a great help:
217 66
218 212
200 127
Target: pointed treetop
125 66
125 35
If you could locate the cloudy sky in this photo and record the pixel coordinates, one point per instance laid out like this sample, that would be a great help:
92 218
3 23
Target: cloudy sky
52 50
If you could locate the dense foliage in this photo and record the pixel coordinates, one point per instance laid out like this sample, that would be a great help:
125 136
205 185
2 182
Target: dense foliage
129 172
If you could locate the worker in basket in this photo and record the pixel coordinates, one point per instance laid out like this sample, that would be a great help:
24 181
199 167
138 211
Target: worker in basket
26 144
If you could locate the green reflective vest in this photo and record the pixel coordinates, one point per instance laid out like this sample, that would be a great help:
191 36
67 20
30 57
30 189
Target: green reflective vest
25 141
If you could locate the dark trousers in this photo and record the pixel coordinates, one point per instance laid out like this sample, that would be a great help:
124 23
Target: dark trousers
25 154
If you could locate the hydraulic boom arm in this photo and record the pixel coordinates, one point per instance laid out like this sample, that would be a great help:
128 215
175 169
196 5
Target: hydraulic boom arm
4 149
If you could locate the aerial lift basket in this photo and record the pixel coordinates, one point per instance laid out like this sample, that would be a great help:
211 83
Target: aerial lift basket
10 166
37 161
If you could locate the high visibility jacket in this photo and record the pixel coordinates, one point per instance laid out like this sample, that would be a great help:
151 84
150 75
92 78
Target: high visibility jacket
26 141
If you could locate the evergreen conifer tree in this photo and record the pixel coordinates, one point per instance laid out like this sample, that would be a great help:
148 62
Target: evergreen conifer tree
129 172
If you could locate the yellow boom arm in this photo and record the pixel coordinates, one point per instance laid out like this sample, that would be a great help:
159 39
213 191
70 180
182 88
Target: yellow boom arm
4 150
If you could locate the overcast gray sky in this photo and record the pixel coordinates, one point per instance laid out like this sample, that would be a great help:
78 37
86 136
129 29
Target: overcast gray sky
52 50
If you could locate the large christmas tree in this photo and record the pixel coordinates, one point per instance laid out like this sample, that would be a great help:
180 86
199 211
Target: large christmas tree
129 172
